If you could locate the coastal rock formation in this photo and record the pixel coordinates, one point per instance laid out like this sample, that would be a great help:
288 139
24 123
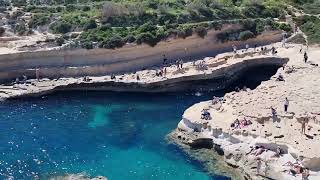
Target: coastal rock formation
99 62
300 84
221 71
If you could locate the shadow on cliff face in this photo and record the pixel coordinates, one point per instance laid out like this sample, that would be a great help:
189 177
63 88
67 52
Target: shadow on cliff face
253 77
250 78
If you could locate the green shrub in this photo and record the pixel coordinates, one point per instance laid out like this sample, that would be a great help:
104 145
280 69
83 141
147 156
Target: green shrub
114 42
59 41
285 27
61 27
19 3
184 31
70 2
38 20
70 8
201 31
20 29
130 39
228 35
245 35
87 45
91 24
29 8
60 8
105 27
147 27
74 35
86 8
147 38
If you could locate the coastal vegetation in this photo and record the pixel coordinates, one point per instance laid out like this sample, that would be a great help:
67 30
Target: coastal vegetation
310 25
112 24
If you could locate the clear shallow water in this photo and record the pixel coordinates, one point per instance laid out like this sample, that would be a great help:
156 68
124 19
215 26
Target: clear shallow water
118 135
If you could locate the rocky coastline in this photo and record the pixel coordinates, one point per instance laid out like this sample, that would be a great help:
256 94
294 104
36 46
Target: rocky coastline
236 145
222 70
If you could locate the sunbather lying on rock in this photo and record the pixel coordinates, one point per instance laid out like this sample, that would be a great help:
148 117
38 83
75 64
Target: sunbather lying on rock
257 150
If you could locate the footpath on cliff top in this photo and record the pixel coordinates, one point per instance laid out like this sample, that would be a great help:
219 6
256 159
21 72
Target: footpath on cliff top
159 77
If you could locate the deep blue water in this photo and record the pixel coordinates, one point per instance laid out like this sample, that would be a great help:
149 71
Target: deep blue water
118 135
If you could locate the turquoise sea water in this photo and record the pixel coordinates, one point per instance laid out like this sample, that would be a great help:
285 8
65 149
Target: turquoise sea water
118 135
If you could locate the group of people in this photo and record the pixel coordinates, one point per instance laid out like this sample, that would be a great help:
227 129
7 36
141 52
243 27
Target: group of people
24 79
286 103
237 89
206 114
215 100
297 168
162 72
239 124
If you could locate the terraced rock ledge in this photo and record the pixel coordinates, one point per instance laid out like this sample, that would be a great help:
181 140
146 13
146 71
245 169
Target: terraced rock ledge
221 70
301 86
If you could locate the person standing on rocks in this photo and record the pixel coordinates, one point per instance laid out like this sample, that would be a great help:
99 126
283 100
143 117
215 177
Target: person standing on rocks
286 104
164 59
273 50
181 64
305 56
274 114
234 49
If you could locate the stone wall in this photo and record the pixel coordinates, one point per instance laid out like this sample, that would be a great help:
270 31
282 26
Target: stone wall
95 62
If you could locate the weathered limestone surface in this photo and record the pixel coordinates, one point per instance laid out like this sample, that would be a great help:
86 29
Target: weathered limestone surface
98 62
222 70
301 87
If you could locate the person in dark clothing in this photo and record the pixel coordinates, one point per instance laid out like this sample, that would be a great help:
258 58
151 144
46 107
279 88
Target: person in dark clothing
305 57
164 59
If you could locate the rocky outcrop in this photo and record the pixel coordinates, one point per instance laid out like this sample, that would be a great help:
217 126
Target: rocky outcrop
97 62
282 131
220 75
